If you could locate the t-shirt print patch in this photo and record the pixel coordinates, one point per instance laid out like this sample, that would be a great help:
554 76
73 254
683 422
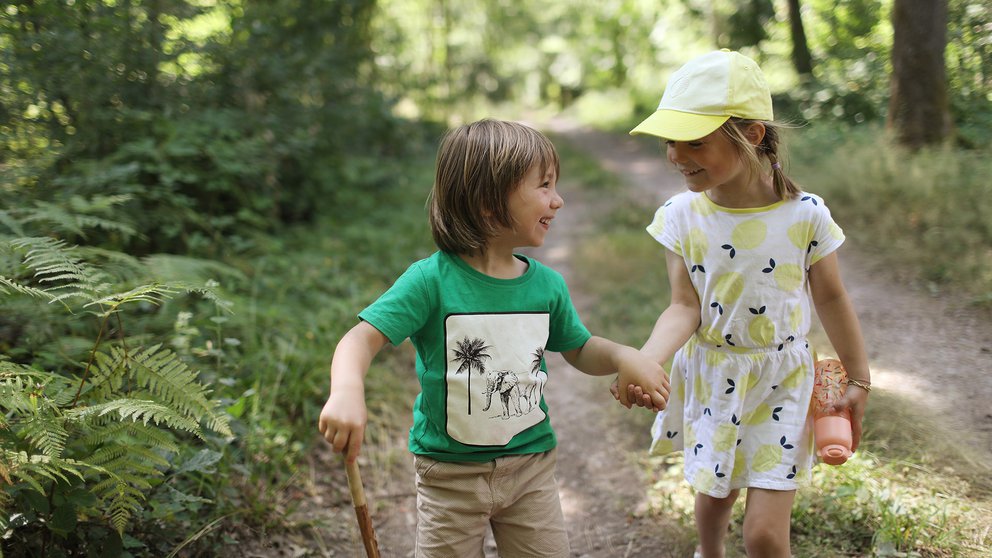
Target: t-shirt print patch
494 375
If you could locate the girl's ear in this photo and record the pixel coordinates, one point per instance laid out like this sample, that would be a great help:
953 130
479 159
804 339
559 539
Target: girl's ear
755 133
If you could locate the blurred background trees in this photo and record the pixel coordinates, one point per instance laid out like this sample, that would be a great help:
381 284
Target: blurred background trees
206 143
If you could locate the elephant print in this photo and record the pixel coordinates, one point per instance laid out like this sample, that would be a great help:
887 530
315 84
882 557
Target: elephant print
490 358
506 383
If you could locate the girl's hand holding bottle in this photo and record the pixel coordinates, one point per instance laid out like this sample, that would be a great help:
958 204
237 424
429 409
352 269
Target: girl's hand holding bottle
854 400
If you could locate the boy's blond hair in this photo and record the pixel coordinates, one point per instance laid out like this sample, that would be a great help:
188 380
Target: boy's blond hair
478 166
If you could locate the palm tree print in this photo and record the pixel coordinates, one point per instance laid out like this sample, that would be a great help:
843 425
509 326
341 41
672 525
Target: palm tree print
470 353
533 396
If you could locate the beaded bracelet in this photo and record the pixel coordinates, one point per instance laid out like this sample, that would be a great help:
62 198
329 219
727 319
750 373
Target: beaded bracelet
863 384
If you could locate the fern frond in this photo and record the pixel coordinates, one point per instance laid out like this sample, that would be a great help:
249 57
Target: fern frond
125 501
154 293
15 393
57 265
46 433
24 390
123 457
32 469
8 283
102 434
165 376
139 410
207 291
107 373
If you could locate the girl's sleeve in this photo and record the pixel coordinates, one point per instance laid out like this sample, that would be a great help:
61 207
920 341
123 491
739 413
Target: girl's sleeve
827 235
403 309
663 227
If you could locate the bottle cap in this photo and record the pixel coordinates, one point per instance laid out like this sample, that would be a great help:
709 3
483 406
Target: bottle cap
834 454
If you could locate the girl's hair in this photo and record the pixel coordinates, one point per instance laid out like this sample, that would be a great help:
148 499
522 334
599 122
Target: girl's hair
735 130
478 166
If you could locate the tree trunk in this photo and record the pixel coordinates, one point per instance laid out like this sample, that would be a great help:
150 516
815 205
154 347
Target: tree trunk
801 58
918 106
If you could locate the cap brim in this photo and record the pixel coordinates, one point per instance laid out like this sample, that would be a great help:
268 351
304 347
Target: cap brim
679 126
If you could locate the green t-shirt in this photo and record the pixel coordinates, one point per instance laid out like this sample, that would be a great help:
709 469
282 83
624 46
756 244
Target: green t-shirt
480 354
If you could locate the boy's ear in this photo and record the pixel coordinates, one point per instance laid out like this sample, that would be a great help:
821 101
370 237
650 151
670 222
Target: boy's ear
755 133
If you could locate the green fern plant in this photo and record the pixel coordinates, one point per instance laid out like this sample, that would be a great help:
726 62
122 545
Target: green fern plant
83 443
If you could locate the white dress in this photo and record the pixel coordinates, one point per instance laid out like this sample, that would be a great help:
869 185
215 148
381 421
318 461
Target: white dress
742 384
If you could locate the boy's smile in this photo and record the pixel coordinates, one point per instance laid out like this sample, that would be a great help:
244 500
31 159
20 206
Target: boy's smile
533 205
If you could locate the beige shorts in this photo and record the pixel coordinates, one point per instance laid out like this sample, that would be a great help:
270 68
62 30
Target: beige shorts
517 496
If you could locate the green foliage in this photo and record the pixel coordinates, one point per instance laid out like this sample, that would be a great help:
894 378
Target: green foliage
936 203
85 437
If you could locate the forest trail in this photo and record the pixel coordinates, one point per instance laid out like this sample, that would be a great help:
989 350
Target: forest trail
917 344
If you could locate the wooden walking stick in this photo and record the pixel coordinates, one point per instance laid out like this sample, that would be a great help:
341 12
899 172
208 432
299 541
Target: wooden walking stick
362 510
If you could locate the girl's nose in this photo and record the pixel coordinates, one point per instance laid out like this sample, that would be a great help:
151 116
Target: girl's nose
675 154
558 202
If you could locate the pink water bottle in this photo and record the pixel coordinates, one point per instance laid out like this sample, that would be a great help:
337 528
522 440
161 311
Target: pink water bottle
832 432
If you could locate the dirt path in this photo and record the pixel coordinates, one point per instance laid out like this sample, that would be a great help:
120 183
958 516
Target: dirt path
917 345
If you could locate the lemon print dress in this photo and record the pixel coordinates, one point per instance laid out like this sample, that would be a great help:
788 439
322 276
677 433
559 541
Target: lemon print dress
741 386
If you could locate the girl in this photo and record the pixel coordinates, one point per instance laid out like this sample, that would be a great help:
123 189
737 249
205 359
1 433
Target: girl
481 317
744 247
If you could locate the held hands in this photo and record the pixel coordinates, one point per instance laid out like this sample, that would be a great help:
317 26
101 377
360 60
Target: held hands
342 422
640 381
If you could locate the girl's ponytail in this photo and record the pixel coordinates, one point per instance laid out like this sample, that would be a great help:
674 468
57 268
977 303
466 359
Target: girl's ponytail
785 188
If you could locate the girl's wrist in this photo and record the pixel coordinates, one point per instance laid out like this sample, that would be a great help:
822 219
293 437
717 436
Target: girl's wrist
863 384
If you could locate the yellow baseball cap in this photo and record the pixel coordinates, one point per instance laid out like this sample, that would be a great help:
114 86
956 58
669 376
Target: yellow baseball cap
706 92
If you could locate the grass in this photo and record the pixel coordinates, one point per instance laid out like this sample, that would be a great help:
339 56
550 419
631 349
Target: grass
926 214
909 491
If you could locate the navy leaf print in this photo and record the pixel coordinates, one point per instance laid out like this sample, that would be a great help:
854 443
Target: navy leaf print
696 449
785 445
810 198
719 475
771 266
775 412
732 386
792 475
671 434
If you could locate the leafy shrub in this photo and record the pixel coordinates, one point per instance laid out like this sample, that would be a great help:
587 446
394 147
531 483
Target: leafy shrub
90 412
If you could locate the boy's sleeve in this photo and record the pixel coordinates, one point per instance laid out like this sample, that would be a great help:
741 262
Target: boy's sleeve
567 330
403 309
827 235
